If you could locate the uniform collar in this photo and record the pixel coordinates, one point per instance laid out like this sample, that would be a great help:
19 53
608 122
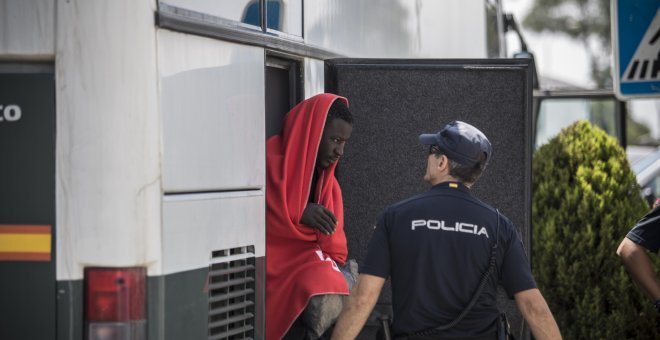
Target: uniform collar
451 186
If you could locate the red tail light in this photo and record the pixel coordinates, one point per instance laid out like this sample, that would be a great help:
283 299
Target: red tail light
115 303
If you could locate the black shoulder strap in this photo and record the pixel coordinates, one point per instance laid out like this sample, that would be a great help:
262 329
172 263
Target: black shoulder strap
484 279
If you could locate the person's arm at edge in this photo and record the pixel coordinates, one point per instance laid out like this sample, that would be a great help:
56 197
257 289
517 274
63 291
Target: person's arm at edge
536 312
358 307
638 264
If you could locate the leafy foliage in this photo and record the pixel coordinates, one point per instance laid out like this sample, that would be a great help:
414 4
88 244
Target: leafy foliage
587 21
585 201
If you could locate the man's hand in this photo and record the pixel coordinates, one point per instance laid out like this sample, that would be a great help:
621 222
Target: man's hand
317 216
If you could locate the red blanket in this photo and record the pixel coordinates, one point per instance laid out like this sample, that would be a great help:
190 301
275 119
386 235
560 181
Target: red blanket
300 261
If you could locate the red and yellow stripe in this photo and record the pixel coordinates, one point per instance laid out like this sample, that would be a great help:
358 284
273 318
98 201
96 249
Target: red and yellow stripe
25 242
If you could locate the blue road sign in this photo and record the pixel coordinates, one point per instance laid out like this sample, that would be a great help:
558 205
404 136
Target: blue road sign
636 42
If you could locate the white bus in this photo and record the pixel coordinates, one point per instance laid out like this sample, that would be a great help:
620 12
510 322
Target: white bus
132 134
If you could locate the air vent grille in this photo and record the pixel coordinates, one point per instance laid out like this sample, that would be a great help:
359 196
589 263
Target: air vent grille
231 294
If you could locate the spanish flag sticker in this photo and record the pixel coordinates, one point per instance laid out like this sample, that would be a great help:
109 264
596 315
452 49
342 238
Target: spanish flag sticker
25 242
453 185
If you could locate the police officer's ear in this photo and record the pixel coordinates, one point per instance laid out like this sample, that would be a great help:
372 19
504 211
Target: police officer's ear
443 162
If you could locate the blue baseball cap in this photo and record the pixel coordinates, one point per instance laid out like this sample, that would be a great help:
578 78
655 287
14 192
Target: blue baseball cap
460 142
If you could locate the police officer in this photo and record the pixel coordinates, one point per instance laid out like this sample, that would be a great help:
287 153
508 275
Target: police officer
436 247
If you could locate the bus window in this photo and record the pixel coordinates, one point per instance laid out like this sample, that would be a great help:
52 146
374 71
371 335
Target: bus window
642 127
555 114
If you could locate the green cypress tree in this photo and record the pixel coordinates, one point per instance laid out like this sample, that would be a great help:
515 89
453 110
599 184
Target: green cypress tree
585 200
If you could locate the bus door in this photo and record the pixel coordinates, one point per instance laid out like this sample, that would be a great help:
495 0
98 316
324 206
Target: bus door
393 101
27 202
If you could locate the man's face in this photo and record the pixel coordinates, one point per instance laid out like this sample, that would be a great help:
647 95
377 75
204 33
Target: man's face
432 172
335 135
431 164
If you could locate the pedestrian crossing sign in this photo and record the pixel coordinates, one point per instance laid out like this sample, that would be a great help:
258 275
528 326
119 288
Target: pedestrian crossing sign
636 48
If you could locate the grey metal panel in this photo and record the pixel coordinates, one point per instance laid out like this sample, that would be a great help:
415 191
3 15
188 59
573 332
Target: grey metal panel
393 101
28 29
195 225
212 104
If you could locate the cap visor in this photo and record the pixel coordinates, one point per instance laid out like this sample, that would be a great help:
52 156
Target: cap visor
428 139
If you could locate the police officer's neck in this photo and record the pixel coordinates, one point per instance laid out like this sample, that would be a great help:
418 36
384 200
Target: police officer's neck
444 178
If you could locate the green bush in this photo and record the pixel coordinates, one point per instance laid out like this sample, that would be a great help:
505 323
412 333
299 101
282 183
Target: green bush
585 200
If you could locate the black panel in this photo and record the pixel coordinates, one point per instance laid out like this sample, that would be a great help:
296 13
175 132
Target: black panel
27 196
393 101
70 310
277 99
185 305
177 306
155 310
283 90
260 293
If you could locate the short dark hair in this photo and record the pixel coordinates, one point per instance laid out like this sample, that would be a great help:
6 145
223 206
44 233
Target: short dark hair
464 173
339 110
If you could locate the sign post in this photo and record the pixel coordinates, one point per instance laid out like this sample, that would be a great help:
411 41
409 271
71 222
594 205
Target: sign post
636 48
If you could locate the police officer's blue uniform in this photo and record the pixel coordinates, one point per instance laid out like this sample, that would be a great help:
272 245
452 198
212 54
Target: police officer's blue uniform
435 247
646 232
